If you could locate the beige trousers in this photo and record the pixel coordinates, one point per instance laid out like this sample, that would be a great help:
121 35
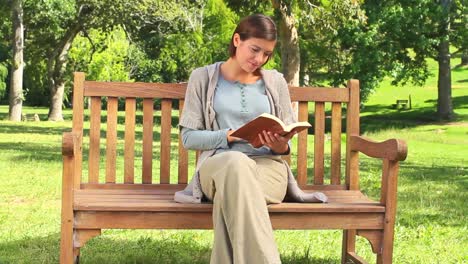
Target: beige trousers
240 188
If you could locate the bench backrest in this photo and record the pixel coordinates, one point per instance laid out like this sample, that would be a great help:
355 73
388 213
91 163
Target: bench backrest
103 153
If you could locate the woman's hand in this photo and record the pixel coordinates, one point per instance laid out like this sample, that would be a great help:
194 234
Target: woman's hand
277 143
232 139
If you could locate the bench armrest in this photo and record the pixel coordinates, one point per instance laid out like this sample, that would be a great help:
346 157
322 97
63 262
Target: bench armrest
70 144
392 149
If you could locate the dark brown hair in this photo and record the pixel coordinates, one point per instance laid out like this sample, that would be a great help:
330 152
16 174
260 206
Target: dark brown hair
254 26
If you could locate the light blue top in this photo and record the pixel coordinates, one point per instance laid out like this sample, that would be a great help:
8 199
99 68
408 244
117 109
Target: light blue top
235 104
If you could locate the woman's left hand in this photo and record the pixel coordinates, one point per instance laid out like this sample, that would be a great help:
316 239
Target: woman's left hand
277 143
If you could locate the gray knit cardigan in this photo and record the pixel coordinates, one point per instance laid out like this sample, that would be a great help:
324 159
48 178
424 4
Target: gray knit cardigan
199 114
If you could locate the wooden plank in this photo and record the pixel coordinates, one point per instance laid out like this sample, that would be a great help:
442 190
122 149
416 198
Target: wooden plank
160 205
203 220
348 243
135 89
129 154
341 220
144 220
356 258
354 197
177 91
66 233
324 187
352 129
182 186
319 141
302 146
392 149
183 153
315 94
336 144
333 195
111 141
166 115
77 126
94 139
144 187
391 175
147 155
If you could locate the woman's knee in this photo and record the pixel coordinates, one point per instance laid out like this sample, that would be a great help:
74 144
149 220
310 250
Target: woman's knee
234 159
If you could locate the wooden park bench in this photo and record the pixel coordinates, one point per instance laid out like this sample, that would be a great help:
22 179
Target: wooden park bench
106 200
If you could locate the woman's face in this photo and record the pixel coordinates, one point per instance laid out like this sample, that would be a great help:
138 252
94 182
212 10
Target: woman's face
252 53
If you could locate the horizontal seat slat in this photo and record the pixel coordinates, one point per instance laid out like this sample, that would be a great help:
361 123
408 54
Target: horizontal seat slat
162 200
202 220
132 187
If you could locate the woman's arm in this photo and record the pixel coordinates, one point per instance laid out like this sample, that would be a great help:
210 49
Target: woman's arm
204 139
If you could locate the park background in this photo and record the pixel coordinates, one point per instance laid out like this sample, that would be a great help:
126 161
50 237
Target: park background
396 49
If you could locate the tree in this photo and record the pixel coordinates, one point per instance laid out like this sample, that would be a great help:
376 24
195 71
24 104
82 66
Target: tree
415 31
17 65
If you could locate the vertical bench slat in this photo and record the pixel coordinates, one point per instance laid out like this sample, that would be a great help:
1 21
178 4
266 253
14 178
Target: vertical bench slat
94 139
111 140
336 144
147 155
319 137
78 115
352 129
129 149
302 146
183 153
166 115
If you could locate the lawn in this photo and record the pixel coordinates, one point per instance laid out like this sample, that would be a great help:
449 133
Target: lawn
433 188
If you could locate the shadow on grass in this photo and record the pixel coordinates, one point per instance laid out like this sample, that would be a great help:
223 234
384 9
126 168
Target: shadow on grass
432 194
144 249
14 128
26 151
382 117
30 129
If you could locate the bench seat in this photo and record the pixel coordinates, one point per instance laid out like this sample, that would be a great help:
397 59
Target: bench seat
97 208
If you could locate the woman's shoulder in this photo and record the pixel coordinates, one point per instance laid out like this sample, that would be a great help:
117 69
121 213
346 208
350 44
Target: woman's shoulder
206 68
273 74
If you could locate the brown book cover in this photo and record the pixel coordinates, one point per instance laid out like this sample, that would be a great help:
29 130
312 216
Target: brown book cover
266 122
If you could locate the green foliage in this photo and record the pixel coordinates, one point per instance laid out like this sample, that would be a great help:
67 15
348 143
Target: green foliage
5 46
3 76
105 64
336 47
167 51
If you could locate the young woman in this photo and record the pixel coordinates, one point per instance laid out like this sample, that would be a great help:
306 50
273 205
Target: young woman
239 179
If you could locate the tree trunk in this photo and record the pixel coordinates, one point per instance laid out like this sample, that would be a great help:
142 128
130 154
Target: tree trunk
444 99
289 41
464 58
56 66
17 66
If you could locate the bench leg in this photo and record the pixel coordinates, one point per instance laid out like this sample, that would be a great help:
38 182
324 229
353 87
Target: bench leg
82 236
349 244
387 247
66 244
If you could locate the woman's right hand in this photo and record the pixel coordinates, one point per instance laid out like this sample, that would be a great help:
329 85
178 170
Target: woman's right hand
231 139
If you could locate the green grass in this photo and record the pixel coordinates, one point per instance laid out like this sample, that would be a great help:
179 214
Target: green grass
433 189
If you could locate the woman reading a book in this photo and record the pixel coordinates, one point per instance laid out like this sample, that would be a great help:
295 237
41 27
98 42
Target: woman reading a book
239 179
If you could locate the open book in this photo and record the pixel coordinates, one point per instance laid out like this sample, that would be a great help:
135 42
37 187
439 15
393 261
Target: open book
269 123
